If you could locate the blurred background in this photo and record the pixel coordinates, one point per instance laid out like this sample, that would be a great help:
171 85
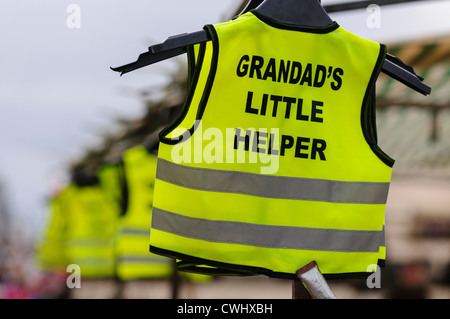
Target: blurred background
65 117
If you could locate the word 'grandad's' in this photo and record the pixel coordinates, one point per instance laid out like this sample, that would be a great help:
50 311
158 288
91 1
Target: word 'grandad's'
292 72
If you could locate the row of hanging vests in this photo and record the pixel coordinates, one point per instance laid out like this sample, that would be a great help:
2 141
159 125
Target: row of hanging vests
102 223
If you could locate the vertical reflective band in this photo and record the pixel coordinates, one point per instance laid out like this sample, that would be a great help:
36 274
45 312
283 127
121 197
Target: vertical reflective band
267 236
269 186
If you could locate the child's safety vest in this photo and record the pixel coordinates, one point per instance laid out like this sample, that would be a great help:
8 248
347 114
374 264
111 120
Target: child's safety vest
273 161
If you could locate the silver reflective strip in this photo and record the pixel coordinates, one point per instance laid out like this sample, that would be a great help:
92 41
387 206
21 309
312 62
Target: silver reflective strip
89 243
136 231
270 186
93 261
267 235
144 259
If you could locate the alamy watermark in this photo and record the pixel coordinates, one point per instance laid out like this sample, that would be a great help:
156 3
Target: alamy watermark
374 19
258 146
74 279
234 145
73 20
374 280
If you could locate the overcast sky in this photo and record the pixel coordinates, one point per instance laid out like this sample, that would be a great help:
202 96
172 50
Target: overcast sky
57 92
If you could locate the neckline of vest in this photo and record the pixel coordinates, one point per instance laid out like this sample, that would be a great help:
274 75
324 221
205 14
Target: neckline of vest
280 25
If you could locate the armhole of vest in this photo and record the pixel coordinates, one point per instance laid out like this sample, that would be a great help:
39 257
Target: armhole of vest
195 64
123 182
368 112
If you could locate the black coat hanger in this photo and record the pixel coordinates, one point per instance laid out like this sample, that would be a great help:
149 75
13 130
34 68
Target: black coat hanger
252 4
82 178
314 15
294 12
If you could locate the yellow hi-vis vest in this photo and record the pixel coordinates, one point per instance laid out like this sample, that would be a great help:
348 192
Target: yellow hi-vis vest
91 230
50 251
111 178
273 162
134 261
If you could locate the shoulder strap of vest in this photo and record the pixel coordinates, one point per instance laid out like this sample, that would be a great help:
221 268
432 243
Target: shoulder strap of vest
194 72
123 184
368 111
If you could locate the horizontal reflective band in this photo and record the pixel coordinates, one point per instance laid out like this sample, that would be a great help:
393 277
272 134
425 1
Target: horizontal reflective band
267 236
270 186
89 242
93 261
144 260
135 231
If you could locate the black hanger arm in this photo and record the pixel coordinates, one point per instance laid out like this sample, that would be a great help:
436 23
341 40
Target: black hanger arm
172 47
176 45
395 68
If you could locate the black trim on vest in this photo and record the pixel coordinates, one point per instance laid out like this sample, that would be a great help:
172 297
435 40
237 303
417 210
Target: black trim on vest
368 112
207 270
123 181
220 267
204 100
212 73
190 52
196 66
279 25
194 264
